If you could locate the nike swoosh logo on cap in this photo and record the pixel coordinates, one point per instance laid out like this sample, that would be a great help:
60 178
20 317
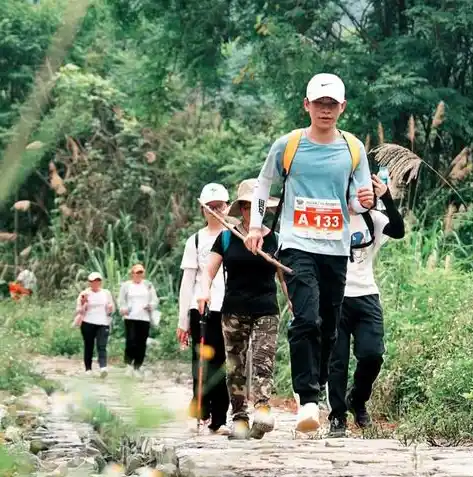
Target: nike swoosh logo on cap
325 84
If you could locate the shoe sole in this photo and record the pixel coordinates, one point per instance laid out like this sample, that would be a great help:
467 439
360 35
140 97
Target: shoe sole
308 425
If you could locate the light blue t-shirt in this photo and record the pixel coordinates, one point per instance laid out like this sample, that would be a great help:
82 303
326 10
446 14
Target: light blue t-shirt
315 215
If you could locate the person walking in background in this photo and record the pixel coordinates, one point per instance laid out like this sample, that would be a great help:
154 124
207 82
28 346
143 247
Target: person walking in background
138 301
215 402
362 315
250 306
324 171
94 307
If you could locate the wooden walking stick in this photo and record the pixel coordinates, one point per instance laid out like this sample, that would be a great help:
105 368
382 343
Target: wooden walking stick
265 255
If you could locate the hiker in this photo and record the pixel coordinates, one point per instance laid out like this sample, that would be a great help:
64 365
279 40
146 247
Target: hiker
27 279
24 285
94 307
362 315
324 170
215 401
250 308
138 301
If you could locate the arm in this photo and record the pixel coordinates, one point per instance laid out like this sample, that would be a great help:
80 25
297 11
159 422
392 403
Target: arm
154 300
80 302
395 227
110 303
361 189
185 297
270 171
208 275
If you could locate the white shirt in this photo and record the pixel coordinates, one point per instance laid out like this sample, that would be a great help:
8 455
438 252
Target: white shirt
134 297
96 308
192 259
28 278
360 276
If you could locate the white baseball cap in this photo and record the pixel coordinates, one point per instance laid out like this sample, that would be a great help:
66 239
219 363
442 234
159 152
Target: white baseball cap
94 276
214 192
326 85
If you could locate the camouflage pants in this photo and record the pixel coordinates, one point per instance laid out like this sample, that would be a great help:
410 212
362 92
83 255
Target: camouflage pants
237 330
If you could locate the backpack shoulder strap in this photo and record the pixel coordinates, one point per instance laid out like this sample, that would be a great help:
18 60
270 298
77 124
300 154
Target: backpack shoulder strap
196 240
370 224
290 150
353 147
226 236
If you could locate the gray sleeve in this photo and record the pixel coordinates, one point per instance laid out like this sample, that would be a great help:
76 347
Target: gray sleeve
272 168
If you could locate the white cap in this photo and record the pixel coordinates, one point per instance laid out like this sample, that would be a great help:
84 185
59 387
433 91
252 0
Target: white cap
326 85
94 276
214 192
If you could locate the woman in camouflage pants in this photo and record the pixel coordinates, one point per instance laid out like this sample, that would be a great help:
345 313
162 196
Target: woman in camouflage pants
250 308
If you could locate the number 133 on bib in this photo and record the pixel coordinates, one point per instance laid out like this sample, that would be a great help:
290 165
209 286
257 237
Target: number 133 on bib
318 218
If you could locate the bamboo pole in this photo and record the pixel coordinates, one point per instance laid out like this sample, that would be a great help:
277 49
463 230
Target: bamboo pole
266 256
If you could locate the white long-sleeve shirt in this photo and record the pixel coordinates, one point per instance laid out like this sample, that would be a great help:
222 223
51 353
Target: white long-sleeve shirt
96 312
135 297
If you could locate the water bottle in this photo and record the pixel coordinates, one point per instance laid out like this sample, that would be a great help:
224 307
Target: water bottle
383 174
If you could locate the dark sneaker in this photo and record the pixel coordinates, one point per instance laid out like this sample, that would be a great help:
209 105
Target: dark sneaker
240 430
361 415
338 427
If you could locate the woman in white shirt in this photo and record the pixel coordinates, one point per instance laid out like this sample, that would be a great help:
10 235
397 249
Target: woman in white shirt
94 307
215 402
137 301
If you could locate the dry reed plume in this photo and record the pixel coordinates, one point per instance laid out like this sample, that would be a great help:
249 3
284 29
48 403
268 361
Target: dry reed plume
22 205
448 219
7 237
461 165
411 133
380 133
439 115
399 161
55 180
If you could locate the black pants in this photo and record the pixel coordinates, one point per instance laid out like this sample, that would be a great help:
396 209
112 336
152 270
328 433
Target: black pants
90 334
136 335
215 401
316 291
362 317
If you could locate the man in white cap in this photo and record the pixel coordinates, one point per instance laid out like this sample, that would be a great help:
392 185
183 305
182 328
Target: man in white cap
327 172
216 400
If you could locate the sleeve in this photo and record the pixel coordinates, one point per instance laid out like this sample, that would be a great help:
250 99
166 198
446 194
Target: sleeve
122 301
154 297
189 257
217 247
78 302
395 226
110 300
185 297
361 178
272 168
379 222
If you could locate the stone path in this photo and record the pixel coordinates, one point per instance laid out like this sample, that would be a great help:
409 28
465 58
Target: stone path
277 454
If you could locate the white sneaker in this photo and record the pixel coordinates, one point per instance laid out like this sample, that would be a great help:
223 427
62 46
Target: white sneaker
308 419
103 372
138 374
129 371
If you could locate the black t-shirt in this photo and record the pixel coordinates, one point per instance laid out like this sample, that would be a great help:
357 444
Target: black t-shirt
250 286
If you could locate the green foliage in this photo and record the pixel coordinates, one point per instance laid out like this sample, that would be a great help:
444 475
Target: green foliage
14 462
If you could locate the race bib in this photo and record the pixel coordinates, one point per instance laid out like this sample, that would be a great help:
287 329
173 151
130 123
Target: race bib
318 219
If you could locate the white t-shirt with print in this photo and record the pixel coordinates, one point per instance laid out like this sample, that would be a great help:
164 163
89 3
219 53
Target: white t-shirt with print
198 261
360 275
